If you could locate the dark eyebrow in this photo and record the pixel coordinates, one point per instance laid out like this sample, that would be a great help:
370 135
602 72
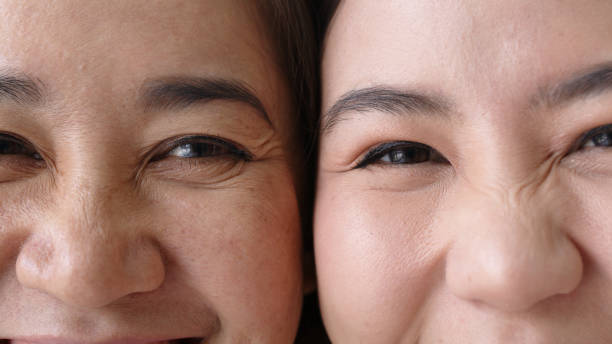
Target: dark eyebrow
384 99
593 82
19 88
181 92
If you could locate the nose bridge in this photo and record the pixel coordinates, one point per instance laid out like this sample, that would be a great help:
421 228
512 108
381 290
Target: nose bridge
508 251
501 210
84 223
86 209
86 252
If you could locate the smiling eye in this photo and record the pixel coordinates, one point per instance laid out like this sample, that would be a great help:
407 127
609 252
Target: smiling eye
401 153
199 160
202 147
198 150
11 146
598 137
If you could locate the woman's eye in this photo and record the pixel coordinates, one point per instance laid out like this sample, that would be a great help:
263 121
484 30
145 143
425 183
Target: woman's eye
12 146
598 137
201 147
198 150
401 153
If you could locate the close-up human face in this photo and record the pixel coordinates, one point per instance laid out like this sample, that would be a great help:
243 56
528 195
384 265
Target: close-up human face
146 194
465 173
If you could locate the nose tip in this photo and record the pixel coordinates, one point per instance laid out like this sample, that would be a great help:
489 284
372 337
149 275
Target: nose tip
513 275
90 274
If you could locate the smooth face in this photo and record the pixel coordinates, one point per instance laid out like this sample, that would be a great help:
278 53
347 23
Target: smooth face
145 186
465 179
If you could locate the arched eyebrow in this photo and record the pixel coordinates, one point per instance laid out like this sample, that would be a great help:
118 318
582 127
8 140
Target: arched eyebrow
586 84
176 93
391 100
20 88
385 99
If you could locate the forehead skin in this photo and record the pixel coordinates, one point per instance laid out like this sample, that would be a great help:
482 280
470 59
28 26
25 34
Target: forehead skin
114 46
426 43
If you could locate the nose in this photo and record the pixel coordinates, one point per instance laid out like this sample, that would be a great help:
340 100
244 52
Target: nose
87 253
509 255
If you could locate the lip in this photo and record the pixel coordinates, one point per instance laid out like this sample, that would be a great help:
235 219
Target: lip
57 340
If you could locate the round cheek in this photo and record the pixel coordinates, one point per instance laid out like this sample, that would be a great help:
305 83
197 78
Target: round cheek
239 247
376 261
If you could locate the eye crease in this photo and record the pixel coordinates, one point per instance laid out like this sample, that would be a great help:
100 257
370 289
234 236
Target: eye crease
401 153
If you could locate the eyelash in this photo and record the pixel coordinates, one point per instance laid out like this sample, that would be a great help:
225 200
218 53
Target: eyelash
389 153
196 147
11 145
597 137
205 147
412 153
401 153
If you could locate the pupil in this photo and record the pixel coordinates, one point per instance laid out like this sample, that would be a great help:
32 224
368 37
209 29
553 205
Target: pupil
10 148
195 150
418 155
398 156
409 156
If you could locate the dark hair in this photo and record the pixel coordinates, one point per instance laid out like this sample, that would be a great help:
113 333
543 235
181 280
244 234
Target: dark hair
324 12
290 25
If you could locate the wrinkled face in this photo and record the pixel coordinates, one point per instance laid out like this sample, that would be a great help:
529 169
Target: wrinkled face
145 188
465 178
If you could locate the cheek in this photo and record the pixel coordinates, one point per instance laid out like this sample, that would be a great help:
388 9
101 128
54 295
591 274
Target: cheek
376 259
589 219
239 247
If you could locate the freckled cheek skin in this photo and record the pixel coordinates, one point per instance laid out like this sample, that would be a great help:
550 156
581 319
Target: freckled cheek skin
376 262
240 248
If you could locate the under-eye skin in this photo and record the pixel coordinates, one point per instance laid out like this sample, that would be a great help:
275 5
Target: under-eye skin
401 153
589 155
